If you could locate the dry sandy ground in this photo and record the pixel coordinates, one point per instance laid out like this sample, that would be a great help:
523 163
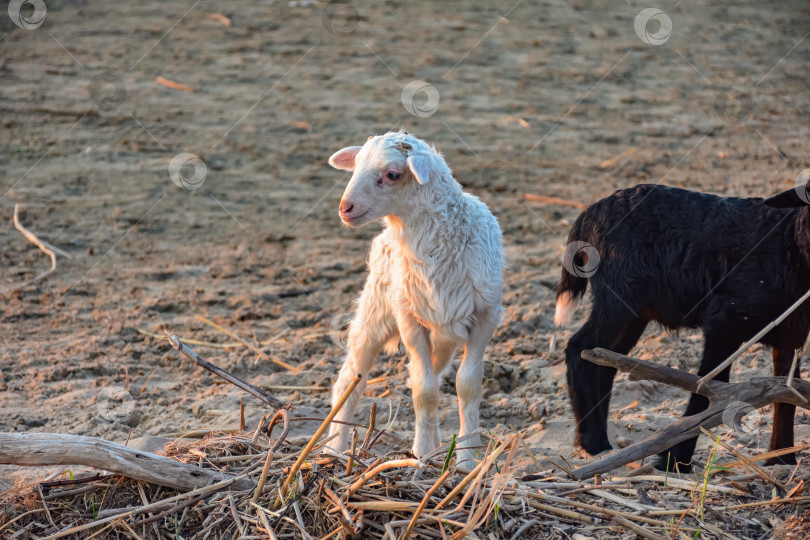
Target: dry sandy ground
533 98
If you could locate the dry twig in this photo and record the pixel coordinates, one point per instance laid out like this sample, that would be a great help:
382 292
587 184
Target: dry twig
246 386
46 249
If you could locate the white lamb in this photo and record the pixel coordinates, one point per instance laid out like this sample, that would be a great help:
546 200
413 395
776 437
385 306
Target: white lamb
435 279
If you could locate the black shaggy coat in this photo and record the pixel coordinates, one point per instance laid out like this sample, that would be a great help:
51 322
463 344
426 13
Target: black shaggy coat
684 259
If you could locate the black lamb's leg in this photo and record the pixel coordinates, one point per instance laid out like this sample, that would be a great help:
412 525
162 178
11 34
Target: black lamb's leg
782 434
717 348
589 385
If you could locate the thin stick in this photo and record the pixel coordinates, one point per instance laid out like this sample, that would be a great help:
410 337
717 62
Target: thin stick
612 161
124 523
529 452
765 476
424 503
523 528
314 439
767 455
486 464
298 388
384 506
367 475
727 362
242 414
267 528
592 507
552 200
263 478
174 85
235 514
791 376
576 516
372 418
246 386
676 483
31 237
173 509
643 532
248 345
350 463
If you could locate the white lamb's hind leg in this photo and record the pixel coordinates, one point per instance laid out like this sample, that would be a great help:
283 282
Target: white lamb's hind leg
469 381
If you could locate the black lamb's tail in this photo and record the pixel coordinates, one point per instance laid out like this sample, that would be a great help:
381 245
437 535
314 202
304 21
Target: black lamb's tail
577 259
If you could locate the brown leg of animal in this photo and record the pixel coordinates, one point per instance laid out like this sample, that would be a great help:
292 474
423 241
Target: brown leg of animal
782 434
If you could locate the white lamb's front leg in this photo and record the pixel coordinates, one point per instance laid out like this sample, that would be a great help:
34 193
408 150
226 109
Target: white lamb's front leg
424 383
371 327
442 354
469 381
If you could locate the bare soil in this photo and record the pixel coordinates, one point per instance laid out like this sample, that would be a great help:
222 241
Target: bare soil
550 98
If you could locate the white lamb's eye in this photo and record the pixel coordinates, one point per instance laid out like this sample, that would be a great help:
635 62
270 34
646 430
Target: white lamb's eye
393 175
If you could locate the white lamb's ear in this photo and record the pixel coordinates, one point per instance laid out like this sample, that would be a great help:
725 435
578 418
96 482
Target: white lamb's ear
420 167
344 159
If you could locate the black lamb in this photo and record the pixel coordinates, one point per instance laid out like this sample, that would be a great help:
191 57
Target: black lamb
684 259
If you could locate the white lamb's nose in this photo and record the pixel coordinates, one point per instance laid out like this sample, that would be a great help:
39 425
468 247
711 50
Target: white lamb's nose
346 207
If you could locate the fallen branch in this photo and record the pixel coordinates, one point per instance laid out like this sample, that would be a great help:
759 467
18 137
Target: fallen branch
756 392
43 449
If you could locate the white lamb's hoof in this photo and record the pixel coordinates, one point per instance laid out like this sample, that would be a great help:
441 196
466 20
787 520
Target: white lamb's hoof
465 459
330 451
333 449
